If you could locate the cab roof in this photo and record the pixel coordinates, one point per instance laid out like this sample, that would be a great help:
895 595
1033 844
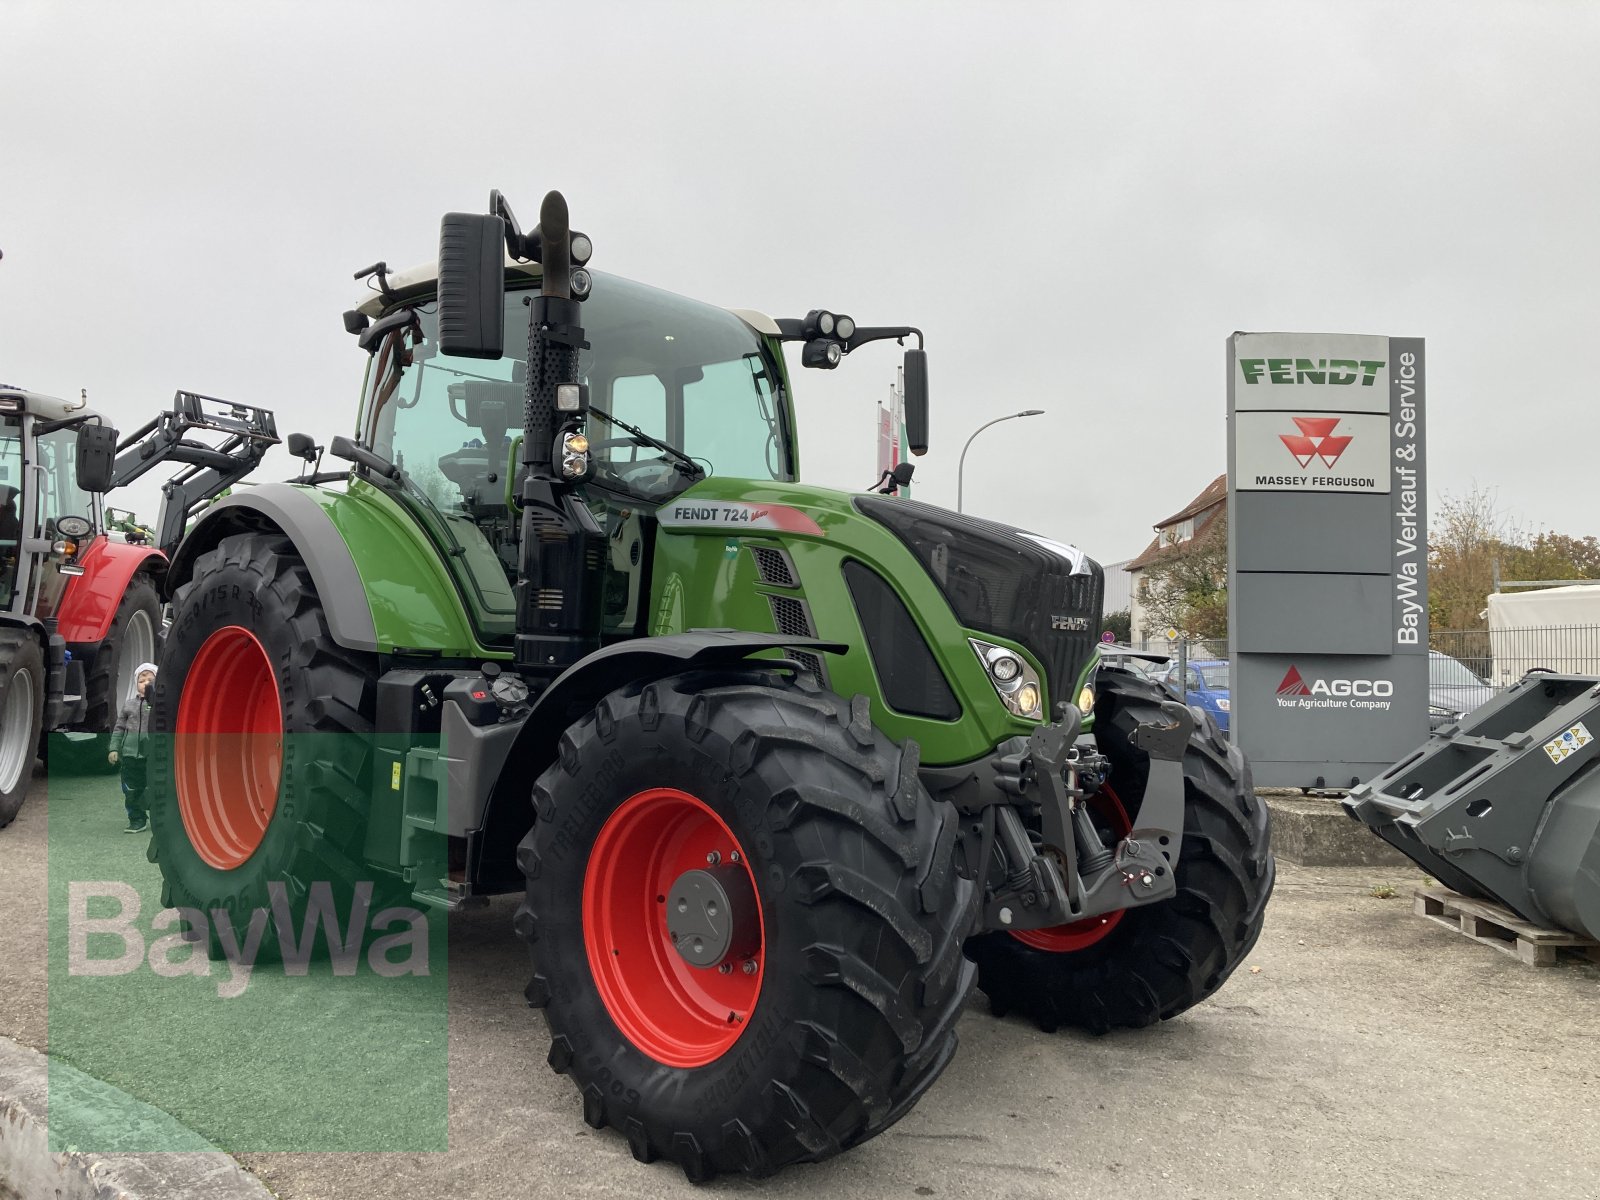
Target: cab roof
49 408
422 278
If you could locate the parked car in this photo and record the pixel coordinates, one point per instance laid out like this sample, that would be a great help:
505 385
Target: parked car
1207 687
1149 663
1453 690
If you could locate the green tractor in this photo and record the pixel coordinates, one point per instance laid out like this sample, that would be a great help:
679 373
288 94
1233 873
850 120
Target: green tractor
781 772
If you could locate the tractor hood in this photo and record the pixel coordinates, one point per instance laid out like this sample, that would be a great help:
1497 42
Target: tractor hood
1040 594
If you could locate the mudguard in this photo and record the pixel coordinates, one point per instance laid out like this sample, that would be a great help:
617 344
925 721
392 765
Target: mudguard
579 688
292 512
90 602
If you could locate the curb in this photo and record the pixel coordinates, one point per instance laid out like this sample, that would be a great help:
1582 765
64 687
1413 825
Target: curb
1312 832
28 1167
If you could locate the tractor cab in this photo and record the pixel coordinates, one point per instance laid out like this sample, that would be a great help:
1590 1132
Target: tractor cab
46 518
679 390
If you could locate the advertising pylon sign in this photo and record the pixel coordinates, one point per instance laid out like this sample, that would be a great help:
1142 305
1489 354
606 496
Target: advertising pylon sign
1327 554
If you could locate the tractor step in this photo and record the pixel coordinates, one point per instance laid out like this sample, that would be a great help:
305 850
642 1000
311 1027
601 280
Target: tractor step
449 894
1493 925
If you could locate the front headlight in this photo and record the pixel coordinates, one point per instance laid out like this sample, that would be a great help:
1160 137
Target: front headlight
1222 705
1086 700
1015 682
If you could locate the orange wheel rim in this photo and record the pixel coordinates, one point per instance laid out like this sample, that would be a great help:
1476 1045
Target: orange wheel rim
228 753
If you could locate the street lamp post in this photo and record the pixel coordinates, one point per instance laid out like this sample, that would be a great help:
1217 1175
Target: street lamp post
1027 412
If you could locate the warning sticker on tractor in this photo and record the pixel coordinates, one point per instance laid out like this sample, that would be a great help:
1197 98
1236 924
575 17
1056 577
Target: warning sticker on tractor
1568 743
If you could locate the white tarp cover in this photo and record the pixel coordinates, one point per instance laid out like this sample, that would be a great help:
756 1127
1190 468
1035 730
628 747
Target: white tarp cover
1550 628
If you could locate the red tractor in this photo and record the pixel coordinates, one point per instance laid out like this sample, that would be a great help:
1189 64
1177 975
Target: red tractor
80 605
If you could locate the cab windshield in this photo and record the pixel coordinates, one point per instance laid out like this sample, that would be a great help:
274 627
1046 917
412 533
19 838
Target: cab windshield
687 374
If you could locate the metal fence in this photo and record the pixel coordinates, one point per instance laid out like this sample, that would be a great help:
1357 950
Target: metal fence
1500 657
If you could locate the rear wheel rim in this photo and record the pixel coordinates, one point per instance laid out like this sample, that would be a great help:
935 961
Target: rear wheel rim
1080 935
677 1014
17 743
138 646
228 752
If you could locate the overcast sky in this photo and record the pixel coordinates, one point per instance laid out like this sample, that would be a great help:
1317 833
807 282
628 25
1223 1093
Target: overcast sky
1077 203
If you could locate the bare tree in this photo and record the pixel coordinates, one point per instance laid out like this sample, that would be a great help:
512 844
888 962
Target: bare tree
1186 588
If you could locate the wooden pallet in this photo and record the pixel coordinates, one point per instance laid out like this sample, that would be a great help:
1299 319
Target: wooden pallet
1490 924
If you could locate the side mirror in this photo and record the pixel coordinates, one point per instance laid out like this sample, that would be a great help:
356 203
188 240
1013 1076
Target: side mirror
902 473
472 289
915 382
96 457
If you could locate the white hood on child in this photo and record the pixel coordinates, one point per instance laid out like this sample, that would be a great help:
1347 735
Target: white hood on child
142 668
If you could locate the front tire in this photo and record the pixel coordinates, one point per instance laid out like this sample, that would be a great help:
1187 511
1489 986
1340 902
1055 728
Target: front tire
22 685
261 763
133 638
844 970
1153 962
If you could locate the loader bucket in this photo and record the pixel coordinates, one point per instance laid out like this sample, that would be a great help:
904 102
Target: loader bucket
1505 805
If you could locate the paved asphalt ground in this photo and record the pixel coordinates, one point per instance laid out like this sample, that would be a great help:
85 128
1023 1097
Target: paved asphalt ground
1360 1052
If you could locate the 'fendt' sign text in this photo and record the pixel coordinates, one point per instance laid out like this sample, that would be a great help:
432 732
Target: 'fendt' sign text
1311 370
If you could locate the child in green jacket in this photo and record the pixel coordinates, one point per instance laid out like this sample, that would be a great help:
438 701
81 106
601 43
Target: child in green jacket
130 743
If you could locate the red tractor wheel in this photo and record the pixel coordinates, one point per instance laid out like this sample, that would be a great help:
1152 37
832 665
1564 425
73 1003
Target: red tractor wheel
667 882
745 920
228 747
261 760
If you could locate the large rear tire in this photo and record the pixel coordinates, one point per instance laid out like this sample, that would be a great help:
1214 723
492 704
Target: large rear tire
21 714
1153 962
260 768
133 638
838 1006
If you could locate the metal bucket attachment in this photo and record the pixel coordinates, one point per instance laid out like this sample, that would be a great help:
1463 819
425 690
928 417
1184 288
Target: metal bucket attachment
1507 804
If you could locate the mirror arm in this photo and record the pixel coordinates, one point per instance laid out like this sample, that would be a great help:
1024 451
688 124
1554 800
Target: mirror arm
793 329
878 333
40 428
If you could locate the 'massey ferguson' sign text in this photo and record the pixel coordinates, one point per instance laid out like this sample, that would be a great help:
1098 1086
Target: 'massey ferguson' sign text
1311 451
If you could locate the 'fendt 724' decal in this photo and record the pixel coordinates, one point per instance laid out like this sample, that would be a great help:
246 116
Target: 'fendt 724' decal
735 514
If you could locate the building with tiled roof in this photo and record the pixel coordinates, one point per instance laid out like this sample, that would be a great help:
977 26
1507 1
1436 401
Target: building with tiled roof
1174 537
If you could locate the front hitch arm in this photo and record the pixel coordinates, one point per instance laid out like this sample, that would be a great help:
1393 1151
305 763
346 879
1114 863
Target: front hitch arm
1045 889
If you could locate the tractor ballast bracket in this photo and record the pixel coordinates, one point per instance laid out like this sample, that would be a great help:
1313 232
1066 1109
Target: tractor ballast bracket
1070 877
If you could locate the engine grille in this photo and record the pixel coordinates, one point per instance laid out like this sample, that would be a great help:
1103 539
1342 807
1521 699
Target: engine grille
998 580
774 567
789 616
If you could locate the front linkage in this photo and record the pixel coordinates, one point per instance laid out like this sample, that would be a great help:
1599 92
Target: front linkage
1066 873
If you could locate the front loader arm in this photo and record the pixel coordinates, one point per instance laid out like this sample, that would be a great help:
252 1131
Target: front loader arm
209 470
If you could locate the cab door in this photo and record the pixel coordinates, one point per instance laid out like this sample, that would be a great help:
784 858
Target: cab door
54 494
13 505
